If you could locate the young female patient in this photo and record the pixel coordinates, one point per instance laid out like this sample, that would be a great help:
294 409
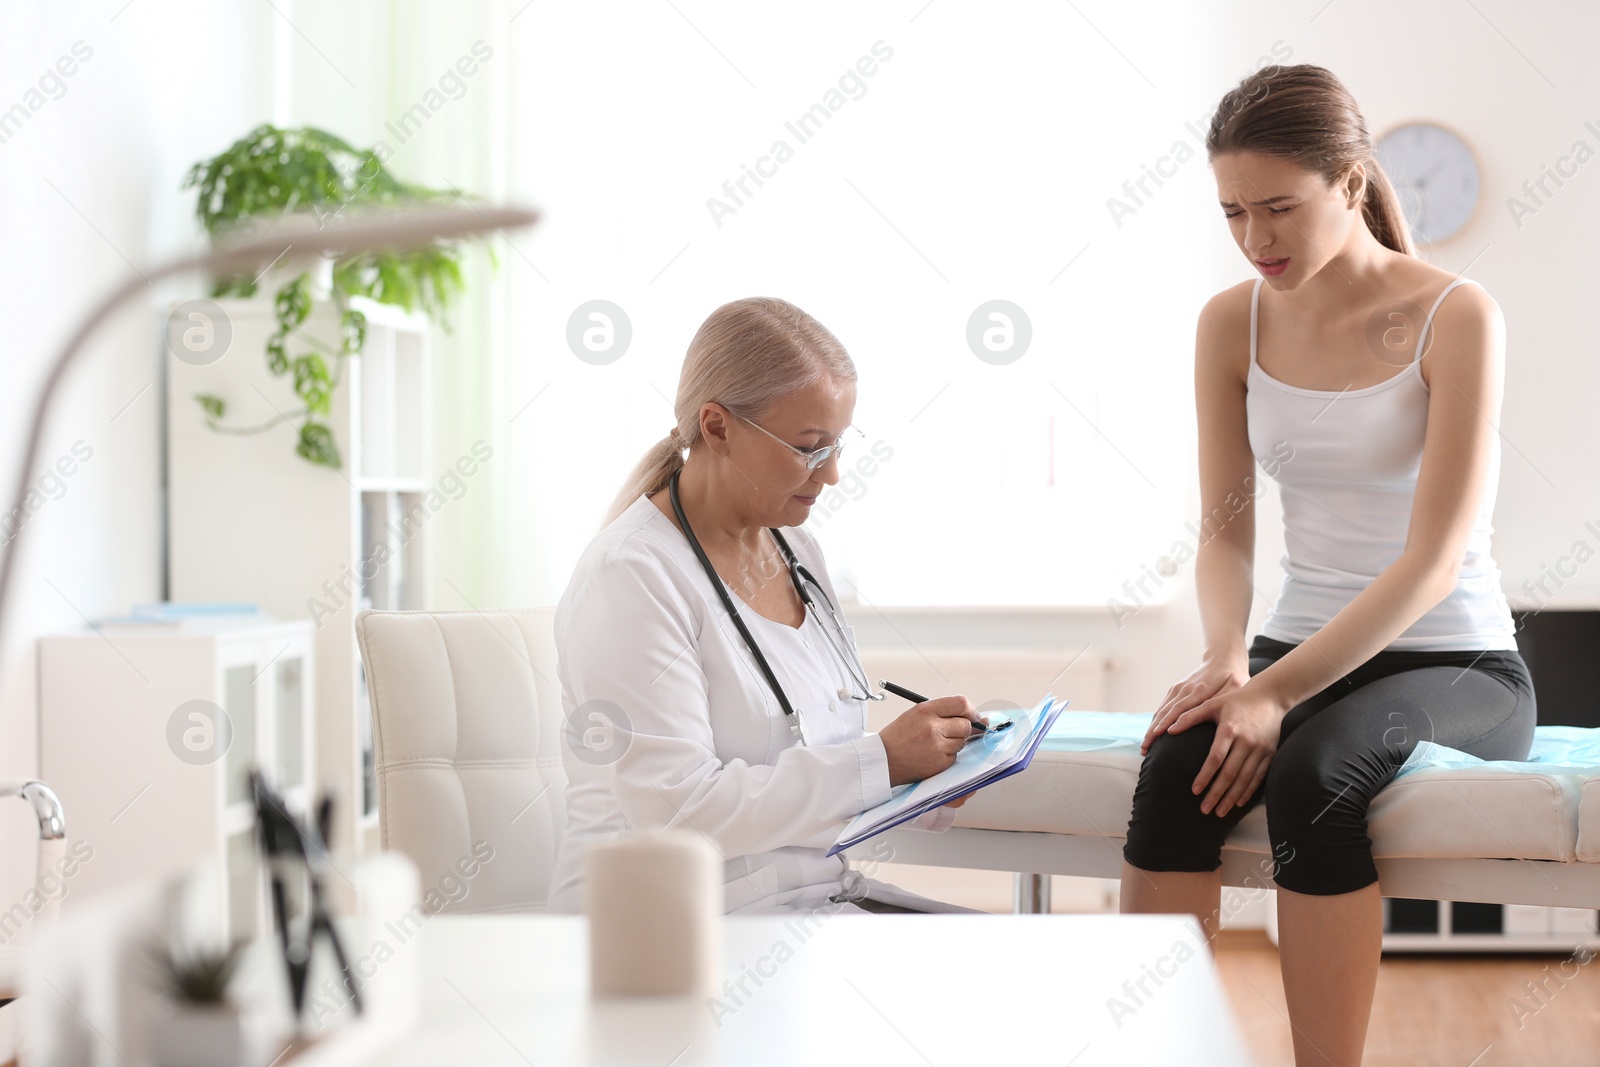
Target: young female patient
1377 421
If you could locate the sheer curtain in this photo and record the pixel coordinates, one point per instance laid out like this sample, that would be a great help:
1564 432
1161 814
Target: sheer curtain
429 84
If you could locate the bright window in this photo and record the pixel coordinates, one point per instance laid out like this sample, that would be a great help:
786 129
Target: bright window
983 158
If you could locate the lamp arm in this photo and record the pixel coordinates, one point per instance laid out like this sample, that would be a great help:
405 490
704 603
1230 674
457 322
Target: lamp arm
52 384
294 236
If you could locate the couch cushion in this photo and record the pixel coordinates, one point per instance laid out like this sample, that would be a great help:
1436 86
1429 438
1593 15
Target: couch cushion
1081 782
1589 820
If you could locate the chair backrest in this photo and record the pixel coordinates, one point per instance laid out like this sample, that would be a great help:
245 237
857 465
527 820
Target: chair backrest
466 715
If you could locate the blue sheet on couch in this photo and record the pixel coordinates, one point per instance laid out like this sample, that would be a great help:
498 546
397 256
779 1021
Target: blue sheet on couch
1085 731
1556 749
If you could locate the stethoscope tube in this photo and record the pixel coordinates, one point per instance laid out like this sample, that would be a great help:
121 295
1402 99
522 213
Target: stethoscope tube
800 576
797 575
727 599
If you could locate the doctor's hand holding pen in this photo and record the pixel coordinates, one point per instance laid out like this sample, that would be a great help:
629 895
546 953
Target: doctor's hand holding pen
925 739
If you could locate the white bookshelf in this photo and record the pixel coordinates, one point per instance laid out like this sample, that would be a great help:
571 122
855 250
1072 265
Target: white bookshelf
251 520
140 766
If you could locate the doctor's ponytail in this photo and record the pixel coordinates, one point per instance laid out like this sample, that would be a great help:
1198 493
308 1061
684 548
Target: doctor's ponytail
748 355
651 473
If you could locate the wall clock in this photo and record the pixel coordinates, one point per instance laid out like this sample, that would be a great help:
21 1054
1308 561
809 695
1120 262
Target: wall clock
1435 175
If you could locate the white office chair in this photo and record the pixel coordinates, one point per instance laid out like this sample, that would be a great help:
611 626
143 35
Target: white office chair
466 714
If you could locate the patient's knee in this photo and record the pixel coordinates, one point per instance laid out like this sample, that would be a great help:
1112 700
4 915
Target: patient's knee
1317 823
1164 800
1174 760
1311 798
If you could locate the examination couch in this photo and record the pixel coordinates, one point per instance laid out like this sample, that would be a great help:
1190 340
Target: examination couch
1449 827
468 728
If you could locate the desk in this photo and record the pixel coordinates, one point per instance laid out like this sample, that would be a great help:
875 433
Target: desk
835 989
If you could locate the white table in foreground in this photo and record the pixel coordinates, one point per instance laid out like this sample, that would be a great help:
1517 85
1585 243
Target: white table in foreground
833 989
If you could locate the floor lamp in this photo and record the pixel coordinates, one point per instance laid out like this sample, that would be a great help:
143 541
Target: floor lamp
291 241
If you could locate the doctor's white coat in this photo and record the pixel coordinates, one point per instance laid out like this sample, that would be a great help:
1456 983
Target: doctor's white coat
670 722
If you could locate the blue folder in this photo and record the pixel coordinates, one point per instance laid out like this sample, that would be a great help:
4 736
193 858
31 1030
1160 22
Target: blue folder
985 760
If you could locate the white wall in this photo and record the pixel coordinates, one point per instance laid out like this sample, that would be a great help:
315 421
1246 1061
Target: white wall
89 188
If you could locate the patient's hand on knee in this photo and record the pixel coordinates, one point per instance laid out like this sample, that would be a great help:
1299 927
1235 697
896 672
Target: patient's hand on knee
1214 677
1249 721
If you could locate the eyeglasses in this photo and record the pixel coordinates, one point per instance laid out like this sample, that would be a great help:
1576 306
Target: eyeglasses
817 456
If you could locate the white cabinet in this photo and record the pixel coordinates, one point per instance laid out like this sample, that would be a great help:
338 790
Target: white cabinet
148 734
1454 926
250 520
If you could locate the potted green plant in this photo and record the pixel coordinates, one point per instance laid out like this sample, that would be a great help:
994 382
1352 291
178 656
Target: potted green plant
272 171
207 1028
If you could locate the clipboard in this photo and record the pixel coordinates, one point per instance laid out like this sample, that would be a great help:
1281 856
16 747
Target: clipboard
983 761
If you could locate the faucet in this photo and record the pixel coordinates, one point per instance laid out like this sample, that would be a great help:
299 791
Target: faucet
46 806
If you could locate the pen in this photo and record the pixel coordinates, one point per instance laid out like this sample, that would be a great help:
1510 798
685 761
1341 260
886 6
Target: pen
904 693
978 725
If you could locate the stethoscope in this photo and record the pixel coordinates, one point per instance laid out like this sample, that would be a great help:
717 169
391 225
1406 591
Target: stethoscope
801 577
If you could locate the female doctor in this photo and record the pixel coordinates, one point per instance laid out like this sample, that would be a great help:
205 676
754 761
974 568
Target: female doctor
708 681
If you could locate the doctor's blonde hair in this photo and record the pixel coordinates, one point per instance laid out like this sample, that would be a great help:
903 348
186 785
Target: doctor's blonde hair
748 355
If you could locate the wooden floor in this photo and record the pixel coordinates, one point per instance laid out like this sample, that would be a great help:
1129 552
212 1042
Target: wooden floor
1453 1010
1450 1010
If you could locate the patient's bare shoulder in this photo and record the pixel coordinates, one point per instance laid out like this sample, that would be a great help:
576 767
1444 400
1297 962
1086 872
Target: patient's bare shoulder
1222 334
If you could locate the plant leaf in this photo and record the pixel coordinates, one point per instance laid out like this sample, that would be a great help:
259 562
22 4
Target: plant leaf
316 445
353 332
293 303
313 384
271 171
201 976
277 354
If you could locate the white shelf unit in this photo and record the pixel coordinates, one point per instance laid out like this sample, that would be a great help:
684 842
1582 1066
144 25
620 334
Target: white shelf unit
107 702
1456 927
251 520
1451 926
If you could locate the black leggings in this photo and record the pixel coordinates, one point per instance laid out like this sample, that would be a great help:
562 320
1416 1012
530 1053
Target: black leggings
1335 752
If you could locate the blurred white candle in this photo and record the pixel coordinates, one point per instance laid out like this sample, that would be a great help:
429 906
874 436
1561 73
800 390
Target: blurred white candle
654 902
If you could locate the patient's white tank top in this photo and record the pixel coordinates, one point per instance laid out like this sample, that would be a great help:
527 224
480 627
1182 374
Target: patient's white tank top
1346 465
